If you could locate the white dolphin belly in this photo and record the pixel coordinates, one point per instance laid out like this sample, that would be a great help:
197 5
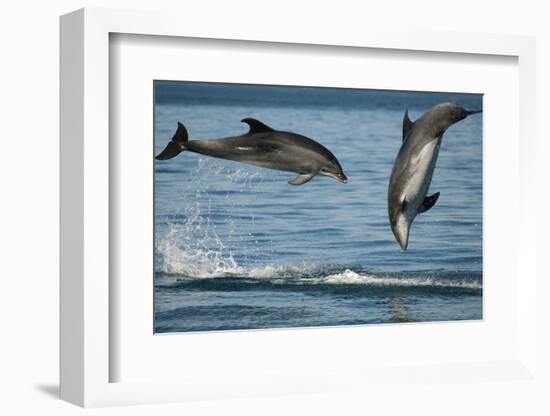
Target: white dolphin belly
420 173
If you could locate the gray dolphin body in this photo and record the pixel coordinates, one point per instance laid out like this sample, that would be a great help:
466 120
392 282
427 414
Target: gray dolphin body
265 147
414 166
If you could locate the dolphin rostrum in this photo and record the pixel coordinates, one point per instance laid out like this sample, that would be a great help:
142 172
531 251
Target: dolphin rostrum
265 147
414 166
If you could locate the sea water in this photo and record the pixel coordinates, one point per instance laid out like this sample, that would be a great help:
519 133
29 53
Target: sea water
237 247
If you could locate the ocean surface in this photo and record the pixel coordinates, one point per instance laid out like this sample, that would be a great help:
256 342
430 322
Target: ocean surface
237 247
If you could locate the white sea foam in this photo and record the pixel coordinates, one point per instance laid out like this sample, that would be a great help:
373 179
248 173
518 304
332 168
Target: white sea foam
206 264
197 262
351 277
203 263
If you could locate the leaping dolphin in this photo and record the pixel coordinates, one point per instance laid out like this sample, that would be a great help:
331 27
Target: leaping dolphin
414 166
265 147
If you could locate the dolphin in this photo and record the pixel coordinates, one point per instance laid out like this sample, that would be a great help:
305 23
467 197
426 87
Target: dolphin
265 147
414 166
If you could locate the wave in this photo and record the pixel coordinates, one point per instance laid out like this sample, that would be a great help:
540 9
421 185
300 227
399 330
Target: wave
178 263
298 276
192 253
351 277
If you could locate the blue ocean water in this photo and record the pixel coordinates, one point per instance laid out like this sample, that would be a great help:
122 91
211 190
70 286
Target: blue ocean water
237 247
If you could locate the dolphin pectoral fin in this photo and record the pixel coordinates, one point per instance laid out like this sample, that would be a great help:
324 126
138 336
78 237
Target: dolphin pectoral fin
301 179
429 202
407 124
256 126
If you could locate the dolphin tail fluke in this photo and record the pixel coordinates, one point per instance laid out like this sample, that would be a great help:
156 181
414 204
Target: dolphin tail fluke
176 145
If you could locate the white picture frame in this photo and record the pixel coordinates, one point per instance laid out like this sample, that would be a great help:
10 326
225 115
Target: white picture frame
86 304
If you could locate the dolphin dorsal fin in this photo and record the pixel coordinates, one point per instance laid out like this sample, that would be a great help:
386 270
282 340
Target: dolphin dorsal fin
256 126
407 124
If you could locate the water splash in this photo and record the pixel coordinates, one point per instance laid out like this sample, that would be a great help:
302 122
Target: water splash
179 253
187 241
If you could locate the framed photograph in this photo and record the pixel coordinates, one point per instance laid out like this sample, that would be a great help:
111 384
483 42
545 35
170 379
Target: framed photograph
286 213
236 247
